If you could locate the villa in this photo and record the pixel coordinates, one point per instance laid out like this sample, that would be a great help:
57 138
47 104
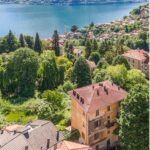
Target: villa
138 59
95 109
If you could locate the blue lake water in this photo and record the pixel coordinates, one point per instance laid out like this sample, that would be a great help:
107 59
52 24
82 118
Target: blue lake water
29 19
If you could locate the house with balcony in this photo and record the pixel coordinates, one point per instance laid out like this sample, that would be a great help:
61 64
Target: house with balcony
95 109
138 59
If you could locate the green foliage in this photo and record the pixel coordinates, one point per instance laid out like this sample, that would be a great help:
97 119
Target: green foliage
120 60
19 117
54 98
134 119
94 56
48 71
94 45
68 86
88 49
21 72
38 44
29 41
117 74
74 28
100 75
81 72
55 43
134 77
22 41
8 43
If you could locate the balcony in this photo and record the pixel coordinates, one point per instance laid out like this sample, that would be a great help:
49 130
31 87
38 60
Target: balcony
110 124
96 125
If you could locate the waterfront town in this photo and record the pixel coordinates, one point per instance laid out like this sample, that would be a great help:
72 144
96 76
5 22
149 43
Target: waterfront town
87 89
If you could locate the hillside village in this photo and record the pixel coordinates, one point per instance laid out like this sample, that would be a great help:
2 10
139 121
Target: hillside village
86 89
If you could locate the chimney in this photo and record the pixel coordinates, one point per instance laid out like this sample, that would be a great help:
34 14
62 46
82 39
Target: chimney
82 100
14 131
57 136
26 147
93 86
118 87
48 144
100 84
112 83
97 92
78 96
74 92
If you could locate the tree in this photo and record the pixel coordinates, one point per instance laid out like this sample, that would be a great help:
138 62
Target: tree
22 72
135 76
100 75
134 119
119 59
48 71
94 45
74 28
117 74
94 56
37 44
55 99
88 49
55 43
29 41
11 42
22 41
91 25
81 72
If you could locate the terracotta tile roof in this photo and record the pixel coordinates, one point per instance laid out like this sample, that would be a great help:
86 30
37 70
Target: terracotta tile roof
34 136
98 95
67 145
140 55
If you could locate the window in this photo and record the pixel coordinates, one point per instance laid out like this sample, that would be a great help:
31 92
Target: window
97 147
108 132
96 136
96 124
108 108
97 112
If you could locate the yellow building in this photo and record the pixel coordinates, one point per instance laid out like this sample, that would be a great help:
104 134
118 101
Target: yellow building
138 59
94 112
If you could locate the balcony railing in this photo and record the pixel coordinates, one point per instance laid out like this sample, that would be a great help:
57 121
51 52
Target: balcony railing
91 125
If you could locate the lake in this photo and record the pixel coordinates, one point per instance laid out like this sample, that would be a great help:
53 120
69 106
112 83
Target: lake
29 19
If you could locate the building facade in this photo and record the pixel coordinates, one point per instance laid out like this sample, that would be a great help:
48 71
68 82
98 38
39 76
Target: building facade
138 59
95 109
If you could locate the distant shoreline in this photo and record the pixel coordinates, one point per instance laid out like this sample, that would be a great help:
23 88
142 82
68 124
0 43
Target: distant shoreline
69 4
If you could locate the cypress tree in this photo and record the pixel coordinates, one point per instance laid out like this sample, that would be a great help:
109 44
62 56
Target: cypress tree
87 49
12 43
81 72
55 43
38 45
22 41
